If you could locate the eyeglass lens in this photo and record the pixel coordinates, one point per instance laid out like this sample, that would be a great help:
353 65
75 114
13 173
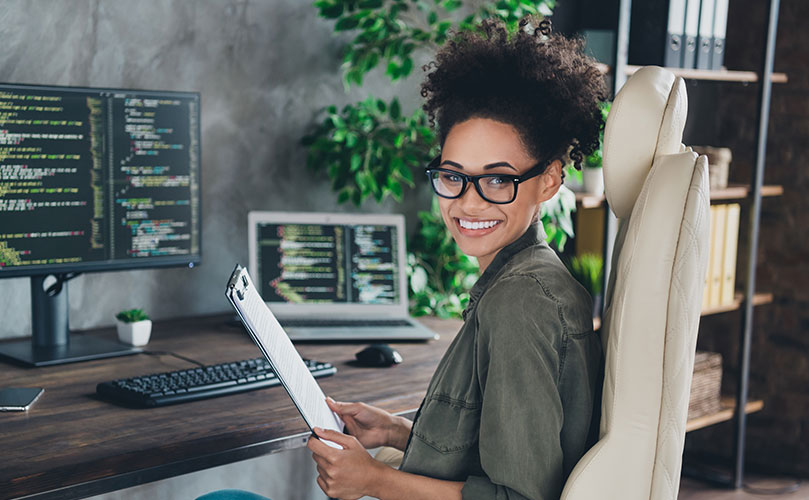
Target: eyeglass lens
494 188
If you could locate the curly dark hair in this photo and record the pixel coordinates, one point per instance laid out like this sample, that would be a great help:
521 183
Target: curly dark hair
537 81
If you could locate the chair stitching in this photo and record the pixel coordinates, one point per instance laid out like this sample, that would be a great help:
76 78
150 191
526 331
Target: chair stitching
696 171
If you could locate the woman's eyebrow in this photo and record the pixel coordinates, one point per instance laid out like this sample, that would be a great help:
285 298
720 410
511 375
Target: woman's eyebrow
499 164
485 167
452 164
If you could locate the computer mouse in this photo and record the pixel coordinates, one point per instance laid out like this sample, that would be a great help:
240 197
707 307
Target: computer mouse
378 355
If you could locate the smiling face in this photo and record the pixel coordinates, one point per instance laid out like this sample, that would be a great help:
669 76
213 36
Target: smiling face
483 146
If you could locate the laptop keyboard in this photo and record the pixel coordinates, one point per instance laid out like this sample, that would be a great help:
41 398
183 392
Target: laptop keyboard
327 322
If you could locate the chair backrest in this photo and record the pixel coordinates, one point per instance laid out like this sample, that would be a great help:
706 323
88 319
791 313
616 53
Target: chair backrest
659 191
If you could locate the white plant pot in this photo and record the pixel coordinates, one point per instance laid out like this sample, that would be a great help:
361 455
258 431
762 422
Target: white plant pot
573 184
593 180
136 333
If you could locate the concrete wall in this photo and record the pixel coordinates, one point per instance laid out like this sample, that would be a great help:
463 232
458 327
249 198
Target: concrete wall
264 69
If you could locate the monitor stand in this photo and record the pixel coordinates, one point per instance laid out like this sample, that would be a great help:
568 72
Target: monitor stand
51 343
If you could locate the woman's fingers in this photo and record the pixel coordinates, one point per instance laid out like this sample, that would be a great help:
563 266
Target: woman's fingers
336 437
322 483
320 460
322 472
342 408
319 448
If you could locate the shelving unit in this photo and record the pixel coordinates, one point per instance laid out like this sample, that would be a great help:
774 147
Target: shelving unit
738 407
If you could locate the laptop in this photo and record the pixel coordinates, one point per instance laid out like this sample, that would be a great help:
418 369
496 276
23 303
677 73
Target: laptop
329 276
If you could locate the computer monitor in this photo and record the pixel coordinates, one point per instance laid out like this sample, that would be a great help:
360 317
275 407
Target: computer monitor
92 180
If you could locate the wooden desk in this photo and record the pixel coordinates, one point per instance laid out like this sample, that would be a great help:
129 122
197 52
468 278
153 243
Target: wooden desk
72 444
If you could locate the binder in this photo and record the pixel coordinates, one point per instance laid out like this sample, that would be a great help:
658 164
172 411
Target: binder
729 260
720 25
717 255
673 55
705 34
690 31
706 295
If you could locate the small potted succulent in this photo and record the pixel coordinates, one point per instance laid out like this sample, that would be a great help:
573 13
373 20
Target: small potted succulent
592 174
587 269
134 327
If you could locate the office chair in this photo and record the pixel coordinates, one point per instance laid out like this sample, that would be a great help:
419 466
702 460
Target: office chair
658 190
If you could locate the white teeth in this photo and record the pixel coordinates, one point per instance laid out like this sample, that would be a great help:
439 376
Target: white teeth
477 225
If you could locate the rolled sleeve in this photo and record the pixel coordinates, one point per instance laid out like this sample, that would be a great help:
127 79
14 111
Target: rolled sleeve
520 349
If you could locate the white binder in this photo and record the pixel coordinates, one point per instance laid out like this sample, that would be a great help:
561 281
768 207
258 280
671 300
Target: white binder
673 55
691 31
705 36
719 30
274 343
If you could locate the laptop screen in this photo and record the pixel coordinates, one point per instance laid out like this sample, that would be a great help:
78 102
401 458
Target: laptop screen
305 263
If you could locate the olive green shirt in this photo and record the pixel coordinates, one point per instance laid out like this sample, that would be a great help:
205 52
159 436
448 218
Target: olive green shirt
509 410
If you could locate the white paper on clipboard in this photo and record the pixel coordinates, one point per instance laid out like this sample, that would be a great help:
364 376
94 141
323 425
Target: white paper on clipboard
274 343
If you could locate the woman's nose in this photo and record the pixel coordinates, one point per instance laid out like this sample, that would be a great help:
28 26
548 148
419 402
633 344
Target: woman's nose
471 200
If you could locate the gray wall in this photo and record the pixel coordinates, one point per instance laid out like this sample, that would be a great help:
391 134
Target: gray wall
264 69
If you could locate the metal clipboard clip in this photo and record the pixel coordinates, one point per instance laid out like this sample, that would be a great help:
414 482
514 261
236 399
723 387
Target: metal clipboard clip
238 282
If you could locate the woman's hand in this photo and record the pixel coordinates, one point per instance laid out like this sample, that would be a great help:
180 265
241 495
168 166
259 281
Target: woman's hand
372 426
349 473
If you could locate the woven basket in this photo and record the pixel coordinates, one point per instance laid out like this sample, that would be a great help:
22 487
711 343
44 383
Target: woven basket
718 164
705 385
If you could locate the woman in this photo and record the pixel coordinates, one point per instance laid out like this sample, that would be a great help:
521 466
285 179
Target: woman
508 412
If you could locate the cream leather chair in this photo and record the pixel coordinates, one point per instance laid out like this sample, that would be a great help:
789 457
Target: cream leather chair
658 190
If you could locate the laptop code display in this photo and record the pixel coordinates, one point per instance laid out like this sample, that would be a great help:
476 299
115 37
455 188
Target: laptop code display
327 263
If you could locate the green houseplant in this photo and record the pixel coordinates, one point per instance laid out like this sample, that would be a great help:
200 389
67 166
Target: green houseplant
374 149
588 270
134 327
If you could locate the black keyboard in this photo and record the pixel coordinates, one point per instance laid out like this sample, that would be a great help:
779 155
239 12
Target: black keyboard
160 389
306 322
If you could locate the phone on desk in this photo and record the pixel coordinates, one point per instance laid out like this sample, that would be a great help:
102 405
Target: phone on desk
18 398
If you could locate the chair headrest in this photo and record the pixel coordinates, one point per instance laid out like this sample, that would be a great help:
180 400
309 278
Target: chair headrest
646 120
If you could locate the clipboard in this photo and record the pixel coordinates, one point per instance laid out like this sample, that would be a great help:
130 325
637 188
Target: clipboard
269 336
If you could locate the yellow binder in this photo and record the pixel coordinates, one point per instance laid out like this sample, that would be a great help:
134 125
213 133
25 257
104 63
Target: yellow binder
718 253
706 295
729 261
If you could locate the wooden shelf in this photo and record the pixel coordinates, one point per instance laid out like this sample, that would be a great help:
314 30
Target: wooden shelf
732 192
741 191
758 299
587 200
716 76
728 405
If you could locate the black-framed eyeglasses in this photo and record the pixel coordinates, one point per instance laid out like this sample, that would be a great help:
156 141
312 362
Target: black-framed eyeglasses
494 188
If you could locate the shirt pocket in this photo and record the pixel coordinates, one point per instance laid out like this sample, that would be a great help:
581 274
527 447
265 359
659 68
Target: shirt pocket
447 424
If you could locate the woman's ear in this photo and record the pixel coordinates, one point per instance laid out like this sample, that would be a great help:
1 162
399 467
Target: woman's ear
550 181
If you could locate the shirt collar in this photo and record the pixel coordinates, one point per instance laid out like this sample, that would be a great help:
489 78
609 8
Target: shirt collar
535 234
